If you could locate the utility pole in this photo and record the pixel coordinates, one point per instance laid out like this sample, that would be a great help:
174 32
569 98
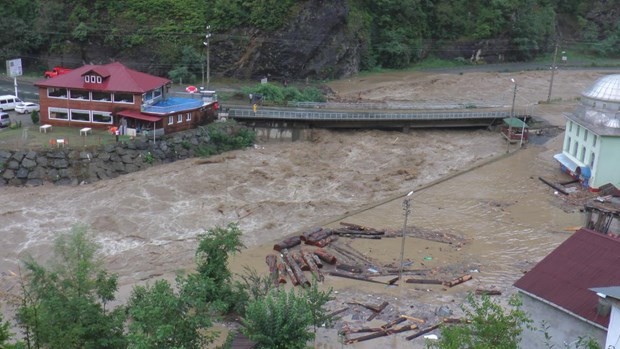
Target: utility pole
407 208
553 68
206 43
512 115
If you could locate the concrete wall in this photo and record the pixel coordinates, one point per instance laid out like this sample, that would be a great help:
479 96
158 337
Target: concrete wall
607 165
563 328
282 134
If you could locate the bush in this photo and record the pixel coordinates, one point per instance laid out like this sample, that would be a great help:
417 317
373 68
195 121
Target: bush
34 116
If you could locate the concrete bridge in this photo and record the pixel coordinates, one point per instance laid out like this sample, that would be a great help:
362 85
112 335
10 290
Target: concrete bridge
377 119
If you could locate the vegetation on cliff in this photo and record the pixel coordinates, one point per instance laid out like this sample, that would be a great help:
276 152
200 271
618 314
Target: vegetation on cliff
291 38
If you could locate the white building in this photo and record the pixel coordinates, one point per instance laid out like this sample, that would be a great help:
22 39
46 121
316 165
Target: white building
610 296
591 150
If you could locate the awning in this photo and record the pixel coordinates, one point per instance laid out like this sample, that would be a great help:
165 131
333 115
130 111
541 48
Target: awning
515 122
566 162
134 114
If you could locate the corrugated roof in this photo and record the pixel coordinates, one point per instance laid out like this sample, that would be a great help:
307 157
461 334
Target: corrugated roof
137 115
515 122
585 260
116 78
611 291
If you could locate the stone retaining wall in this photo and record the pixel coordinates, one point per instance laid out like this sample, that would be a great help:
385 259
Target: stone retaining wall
72 166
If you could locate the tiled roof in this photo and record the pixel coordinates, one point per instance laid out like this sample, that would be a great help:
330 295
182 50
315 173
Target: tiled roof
116 78
585 260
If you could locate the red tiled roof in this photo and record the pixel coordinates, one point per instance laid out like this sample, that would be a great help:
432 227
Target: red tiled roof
137 115
585 260
117 78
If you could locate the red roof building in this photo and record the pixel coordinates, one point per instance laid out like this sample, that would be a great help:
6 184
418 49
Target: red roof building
112 95
557 289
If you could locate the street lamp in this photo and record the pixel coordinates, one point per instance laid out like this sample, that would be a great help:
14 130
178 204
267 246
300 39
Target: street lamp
407 208
512 115
206 43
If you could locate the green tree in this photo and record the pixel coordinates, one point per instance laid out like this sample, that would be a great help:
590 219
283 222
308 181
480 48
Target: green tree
64 306
210 287
487 325
160 319
279 321
5 335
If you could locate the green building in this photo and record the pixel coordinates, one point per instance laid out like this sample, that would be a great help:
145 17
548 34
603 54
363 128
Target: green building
591 150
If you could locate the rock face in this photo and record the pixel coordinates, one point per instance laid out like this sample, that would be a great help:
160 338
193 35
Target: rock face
316 44
76 166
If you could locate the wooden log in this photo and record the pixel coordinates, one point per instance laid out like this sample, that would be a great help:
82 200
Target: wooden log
287 243
317 260
560 190
414 319
289 272
307 256
381 334
457 281
317 236
272 262
354 277
363 329
301 278
334 313
308 233
424 281
325 256
424 331
481 292
300 261
356 226
281 273
349 268
373 308
321 243
344 231
381 307
393 322
392 281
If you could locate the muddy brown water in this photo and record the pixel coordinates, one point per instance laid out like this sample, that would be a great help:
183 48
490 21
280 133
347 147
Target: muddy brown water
510 218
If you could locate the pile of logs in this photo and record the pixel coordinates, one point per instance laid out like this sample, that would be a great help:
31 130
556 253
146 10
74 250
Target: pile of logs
292 264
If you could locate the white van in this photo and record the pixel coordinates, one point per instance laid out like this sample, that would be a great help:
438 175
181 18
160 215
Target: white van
8 102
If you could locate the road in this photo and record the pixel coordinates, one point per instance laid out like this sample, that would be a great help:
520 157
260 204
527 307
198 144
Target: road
25 88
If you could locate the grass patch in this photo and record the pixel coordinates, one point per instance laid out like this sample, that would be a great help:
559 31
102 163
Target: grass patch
29 137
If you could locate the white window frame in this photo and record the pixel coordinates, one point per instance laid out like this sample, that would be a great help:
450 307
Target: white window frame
179 118
87 79
170 119
59 110
71 111
104 113
66 95
188 117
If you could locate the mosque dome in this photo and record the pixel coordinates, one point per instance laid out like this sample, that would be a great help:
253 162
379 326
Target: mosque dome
606 88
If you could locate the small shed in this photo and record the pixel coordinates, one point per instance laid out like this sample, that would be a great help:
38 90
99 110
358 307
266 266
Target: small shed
515 130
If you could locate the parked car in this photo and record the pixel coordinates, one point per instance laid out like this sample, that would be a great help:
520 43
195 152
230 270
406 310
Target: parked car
26 107
5 120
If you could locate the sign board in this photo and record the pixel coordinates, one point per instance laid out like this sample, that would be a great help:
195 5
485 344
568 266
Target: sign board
263 81
14 67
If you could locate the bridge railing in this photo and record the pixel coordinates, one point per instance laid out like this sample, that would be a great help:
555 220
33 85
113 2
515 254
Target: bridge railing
360 116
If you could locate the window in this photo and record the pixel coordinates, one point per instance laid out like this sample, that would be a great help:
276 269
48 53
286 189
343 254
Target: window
585 135
583 154
578 129
58 114
188 117
567 145
592 160
102 117
57 92
79 94
101 96
575 148
80 115
123 98
87 78
594 140
98 79
570 126
170 120
180 118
